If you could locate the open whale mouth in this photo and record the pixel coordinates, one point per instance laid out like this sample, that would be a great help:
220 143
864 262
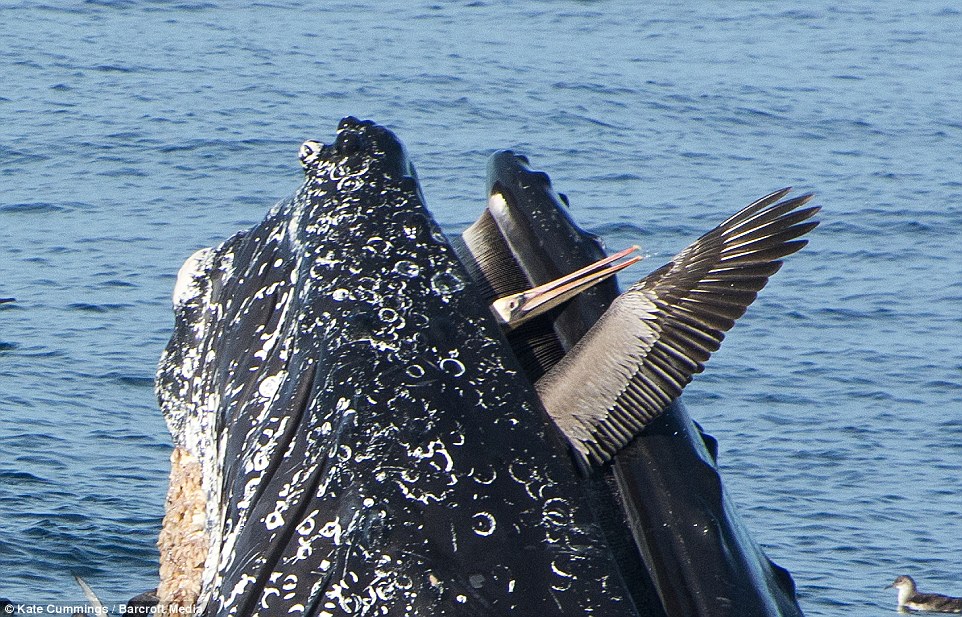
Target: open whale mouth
357 434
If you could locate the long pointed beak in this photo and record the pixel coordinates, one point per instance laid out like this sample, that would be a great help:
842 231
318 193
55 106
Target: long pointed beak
518 308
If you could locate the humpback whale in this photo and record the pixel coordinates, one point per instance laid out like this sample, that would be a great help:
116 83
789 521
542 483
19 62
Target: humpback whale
367 443
365 439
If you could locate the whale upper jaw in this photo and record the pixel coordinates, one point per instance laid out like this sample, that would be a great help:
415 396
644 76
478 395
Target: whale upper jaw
667 478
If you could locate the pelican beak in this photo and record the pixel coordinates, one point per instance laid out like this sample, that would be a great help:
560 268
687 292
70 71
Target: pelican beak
518 308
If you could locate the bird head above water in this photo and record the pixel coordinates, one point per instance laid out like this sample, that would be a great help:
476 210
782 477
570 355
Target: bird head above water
904 583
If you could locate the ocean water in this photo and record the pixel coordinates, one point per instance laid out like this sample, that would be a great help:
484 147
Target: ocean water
133 132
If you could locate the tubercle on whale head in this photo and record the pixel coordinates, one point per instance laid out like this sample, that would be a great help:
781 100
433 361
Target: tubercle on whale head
360 145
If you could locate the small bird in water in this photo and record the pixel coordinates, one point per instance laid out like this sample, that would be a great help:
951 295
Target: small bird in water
910 598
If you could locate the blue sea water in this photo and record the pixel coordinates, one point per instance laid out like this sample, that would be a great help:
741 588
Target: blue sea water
133 132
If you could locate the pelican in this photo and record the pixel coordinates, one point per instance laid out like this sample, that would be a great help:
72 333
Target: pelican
653 338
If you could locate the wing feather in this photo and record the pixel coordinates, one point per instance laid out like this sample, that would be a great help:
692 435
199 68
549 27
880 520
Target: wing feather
645 349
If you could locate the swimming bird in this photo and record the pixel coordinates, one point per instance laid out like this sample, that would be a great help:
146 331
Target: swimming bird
143 603
911 598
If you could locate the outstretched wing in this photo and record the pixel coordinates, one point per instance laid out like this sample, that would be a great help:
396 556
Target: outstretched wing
645 349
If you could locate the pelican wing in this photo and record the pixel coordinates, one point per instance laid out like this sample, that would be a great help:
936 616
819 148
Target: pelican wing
645 349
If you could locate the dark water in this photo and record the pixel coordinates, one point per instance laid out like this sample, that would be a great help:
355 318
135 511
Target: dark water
134 132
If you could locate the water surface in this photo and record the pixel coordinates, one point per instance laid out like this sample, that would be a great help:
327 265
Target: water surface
133 132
